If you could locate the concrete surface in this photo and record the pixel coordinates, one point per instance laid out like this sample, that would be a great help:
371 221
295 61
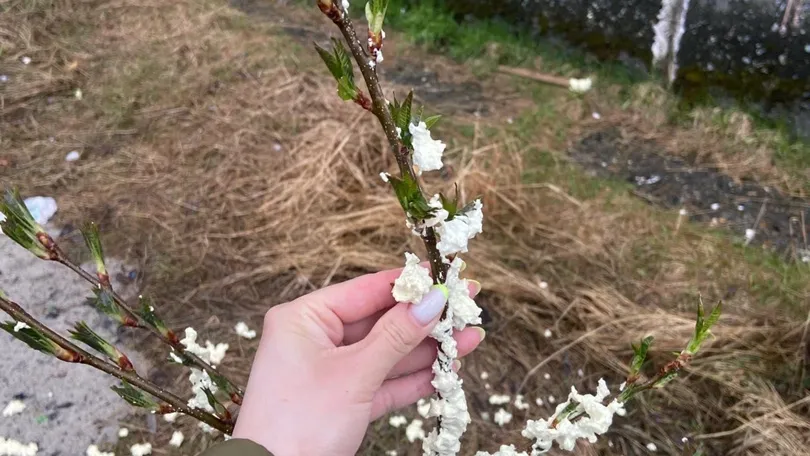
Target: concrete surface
68 406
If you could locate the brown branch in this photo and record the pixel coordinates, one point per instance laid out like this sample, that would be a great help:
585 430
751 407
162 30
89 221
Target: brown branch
380 110
173 402
141 323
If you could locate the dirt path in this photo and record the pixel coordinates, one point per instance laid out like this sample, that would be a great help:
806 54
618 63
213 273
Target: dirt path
67 407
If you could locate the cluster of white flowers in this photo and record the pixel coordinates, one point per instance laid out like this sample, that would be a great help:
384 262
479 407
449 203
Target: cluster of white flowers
595 419
413 283
12 447
199 380
212 354
427 152
14 407
455 234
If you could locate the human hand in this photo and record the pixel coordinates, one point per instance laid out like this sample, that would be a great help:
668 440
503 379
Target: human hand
336 359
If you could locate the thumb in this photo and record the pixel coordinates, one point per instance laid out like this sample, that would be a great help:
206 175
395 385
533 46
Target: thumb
399 331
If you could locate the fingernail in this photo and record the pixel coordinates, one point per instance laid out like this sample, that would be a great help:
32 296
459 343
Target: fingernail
481 333
456 365
431 305
463 266
475 287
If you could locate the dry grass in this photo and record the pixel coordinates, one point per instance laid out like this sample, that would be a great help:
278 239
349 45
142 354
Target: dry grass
218 157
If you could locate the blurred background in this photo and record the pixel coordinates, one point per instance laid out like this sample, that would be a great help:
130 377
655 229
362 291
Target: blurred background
206 139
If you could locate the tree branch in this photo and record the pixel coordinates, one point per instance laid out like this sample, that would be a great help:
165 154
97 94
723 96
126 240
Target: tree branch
380 110
173 403
172 342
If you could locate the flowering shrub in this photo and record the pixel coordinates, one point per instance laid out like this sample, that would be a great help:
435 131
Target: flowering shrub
445 224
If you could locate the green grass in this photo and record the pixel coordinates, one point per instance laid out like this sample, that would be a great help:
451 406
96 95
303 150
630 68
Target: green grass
496 42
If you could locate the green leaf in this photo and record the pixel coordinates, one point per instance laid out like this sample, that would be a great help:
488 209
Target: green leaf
450 205
346 89
220 410
403 118
19 225
410 198
37 340
640 355
343 58
375 15
92 239
703 327
103 300
431 121
84 334
331 62
136 397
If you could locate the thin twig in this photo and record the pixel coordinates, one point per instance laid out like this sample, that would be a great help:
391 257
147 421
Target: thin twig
172 402
172 342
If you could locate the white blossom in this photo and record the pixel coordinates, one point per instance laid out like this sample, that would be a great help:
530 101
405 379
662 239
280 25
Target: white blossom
413 283
499 399
140 449
551 399
243 331
177 439
427 152
439 213
414 431
539 401
397 421
26 60
652 447
502 417
93 450
213 354
749 234
462 310
14 407
580 85
595 419
454 235
12 447
171 417
123 432
346 5
199 381
20 325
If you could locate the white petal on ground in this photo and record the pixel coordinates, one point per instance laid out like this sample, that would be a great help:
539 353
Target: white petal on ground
414 431
93 450
243 331
123 432
140 449
397 421
502 417
171 417
499 399
14 407
177 439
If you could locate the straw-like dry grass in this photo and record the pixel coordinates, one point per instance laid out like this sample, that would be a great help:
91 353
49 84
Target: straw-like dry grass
217 156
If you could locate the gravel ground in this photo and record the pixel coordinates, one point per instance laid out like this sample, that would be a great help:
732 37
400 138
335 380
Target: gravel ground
61 417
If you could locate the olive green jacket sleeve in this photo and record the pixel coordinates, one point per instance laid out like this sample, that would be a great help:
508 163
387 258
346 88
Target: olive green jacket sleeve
236 447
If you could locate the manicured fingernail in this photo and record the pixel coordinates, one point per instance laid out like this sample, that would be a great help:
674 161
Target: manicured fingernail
431 305
463 266
481 333
475 287
456 365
